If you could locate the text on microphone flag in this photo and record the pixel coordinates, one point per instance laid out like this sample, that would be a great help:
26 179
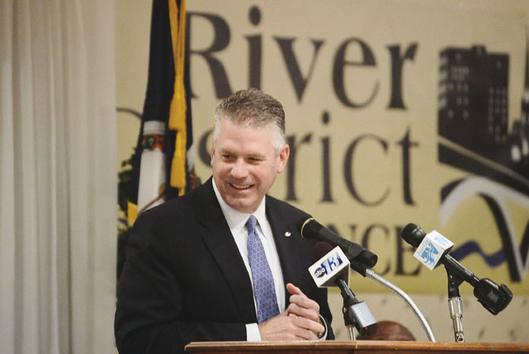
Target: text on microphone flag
432 248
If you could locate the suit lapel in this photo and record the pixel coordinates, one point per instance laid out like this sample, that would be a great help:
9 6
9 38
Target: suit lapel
218 239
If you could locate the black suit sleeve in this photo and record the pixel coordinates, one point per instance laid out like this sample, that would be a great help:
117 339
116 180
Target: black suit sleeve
151 314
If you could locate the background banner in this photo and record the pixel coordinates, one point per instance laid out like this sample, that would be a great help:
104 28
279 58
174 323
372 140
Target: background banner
397 112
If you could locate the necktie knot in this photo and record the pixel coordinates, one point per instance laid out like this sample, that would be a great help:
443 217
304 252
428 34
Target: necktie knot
251 223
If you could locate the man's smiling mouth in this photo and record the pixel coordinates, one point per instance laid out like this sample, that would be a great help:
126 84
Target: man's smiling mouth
241 187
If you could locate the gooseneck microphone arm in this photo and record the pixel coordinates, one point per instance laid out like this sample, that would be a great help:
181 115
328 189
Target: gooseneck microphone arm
373 275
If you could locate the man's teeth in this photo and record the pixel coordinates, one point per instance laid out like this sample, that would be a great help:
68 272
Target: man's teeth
240 187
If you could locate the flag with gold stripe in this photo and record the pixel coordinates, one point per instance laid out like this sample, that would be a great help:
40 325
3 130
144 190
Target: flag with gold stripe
162 167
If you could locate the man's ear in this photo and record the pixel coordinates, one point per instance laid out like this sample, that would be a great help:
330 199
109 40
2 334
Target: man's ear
211 154
284 153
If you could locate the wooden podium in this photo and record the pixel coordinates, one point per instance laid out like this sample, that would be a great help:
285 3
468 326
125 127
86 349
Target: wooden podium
353 347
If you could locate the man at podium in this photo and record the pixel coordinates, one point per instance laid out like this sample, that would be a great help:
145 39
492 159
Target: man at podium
226 261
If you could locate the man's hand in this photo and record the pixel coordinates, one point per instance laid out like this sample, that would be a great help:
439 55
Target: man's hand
299 321
301 305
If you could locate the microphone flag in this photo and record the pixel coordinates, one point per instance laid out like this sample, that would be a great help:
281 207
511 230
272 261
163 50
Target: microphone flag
329 268
432 247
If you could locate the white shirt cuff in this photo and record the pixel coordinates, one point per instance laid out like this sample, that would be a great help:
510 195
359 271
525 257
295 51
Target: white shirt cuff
252 332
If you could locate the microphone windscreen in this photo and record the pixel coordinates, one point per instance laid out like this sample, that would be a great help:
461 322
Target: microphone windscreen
309 228
413 234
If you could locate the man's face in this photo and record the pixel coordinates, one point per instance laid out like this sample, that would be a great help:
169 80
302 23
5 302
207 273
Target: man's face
245 164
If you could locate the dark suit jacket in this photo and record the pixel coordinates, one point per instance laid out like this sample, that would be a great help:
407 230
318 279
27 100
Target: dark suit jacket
184 279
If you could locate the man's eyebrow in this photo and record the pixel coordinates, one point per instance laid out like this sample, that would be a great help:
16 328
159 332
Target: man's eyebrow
257 156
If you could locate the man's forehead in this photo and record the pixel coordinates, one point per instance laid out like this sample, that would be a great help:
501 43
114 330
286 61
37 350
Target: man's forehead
247 147
245 122
240 133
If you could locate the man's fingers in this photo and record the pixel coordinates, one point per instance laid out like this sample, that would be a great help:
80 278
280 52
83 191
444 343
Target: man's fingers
301 305
305 302
305 311
299 298
291 327
297 310
293 290
315 328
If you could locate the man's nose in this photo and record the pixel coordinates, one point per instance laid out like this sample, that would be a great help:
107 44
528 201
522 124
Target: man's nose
239 169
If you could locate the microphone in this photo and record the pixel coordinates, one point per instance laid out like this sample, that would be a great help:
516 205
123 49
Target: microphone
359 257
332 269
433 248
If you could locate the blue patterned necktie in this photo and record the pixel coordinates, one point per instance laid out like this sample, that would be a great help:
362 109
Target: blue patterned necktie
263 282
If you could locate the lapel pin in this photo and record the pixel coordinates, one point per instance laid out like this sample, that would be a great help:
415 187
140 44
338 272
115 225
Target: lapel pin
288 234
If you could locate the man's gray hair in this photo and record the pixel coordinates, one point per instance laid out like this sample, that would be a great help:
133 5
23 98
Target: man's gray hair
252 108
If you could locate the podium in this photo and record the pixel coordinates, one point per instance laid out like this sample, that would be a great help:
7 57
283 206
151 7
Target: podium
353 347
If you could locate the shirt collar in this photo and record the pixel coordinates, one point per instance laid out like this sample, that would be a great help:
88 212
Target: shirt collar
236 219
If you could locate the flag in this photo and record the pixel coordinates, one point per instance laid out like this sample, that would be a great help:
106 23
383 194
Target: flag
162 168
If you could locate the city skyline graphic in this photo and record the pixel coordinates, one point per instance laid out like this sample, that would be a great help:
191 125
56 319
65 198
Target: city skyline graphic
474 136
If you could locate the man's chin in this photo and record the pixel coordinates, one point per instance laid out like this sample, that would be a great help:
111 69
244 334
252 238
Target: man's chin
242 205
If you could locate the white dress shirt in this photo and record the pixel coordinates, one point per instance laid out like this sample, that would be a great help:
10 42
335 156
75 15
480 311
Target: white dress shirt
237 223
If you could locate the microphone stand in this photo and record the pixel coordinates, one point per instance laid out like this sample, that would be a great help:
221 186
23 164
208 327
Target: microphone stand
455 305
356 314
348 300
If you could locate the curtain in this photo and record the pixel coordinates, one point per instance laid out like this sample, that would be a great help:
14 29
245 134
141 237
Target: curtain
58 176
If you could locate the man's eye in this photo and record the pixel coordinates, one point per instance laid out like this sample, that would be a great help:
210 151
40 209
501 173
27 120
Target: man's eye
227 157
254 159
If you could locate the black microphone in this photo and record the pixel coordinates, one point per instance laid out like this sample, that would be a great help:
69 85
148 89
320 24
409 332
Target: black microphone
492 296
359 257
